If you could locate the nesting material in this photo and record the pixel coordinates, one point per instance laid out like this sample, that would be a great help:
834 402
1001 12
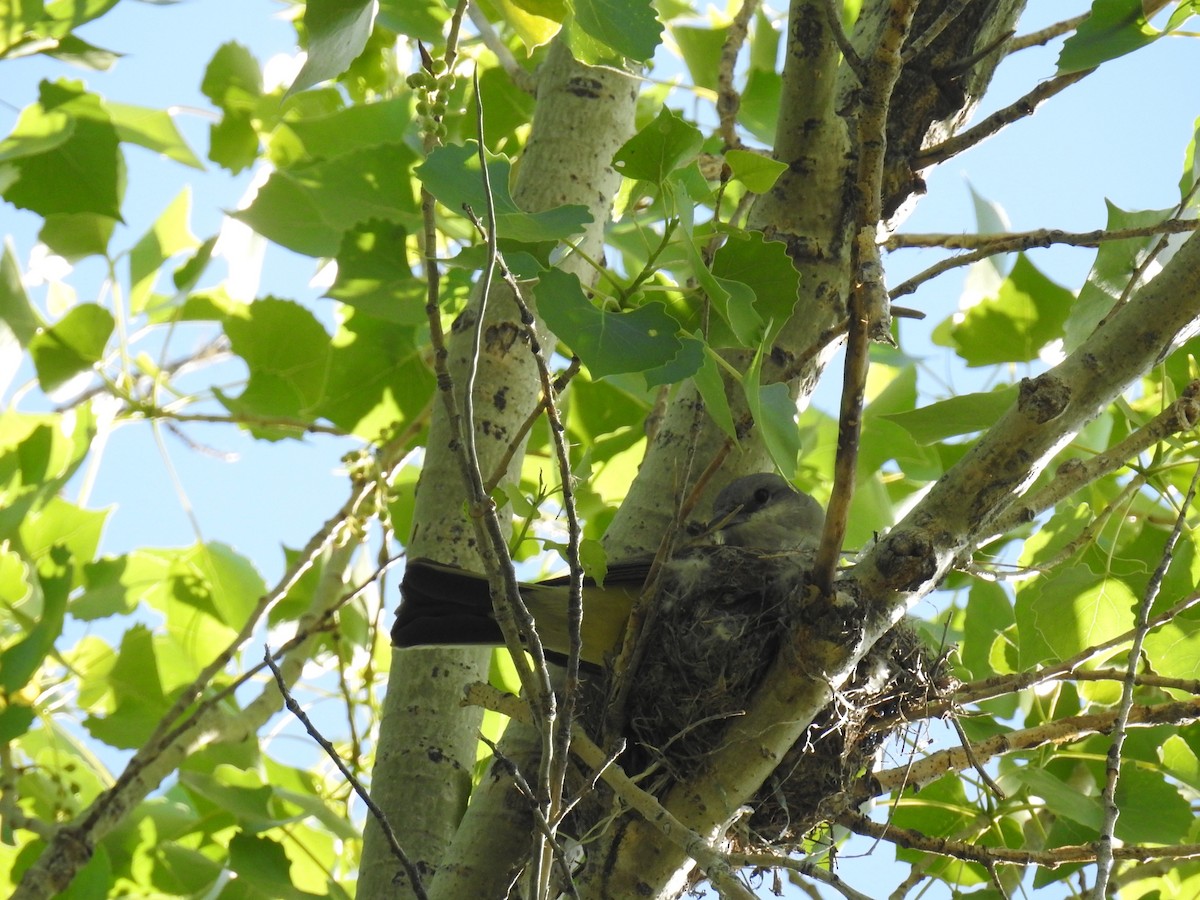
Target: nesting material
721 616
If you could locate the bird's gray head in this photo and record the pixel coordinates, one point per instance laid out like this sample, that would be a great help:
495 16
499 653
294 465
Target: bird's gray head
765 512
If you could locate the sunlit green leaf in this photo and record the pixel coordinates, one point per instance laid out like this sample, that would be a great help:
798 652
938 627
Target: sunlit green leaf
1066 610
72 345
627 26
337 32
287 352
1025 315
88 158
373 274
377 376
15 309
308 208
153 129
1114 28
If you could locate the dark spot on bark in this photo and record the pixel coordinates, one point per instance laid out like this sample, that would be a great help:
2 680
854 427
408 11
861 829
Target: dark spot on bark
435 754
589 88
498 339
500 399
907 560
1043 398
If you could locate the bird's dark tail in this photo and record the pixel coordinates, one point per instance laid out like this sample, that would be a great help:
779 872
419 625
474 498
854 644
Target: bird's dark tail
444 606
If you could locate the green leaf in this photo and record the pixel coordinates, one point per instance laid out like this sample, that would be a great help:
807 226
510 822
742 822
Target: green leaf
685 364
1061 798
1114 28
37 131
15 309
1067 610
764 268
758 172
989 613
627 26
452 175
74 50
373 274
1175 646
712 389
701 52
964 414
153 129
71 346
1152 811
666 144
308 208
168 236
1028 313
344 131
774 411
138 698
758 112
287 352
1114 266
88 160
60 524
16 18
337 33
262 865
607 342
232 79
233 142
377 377
74 236
420 19
19 661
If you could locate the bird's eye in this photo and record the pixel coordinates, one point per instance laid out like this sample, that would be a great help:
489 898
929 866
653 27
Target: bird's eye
761 496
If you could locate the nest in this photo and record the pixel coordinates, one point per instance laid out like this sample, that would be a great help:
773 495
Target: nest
721 616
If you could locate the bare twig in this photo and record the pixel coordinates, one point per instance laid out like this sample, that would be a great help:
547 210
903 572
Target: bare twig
414 876
974 852
728 99
833 12
1104 846
919 44
868 299
998 120
1044 35
996 244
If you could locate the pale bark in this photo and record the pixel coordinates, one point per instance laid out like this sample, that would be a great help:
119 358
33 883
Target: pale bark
427 741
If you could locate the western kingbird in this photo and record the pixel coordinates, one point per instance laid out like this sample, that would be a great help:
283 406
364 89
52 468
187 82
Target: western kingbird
448 606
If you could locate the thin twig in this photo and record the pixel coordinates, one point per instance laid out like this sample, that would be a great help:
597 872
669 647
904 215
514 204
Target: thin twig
974 852
1019 109
918 45
414 876
1044 35
1108 797
1030 241
868 300
728 99
833 12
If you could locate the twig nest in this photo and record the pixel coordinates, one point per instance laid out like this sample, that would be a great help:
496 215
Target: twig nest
721 616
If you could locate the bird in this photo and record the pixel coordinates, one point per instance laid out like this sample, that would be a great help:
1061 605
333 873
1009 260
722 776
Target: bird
755 515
